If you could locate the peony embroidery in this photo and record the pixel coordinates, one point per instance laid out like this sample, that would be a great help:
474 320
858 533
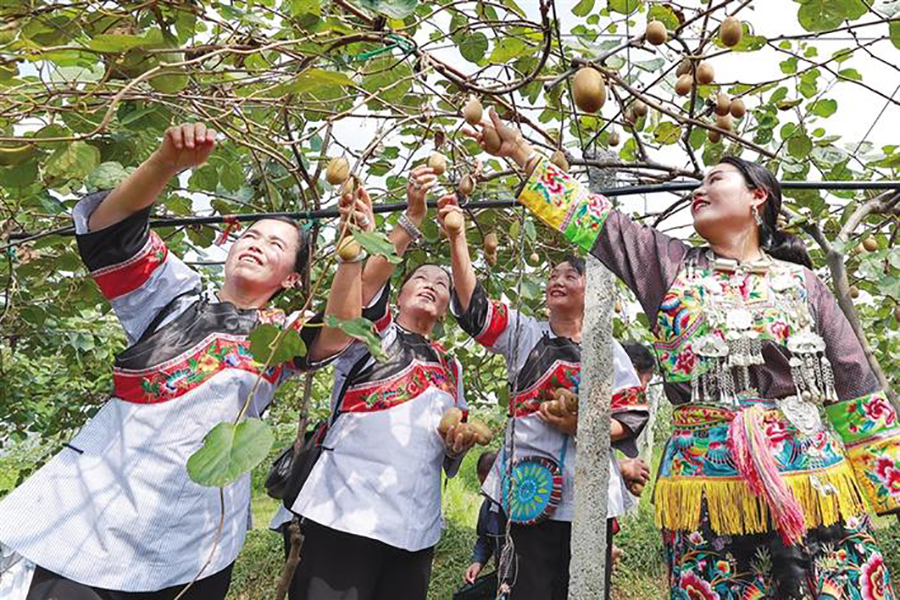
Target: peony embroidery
695 588
873 578
878 409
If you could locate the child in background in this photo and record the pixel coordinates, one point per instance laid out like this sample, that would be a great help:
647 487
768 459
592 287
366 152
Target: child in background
490 526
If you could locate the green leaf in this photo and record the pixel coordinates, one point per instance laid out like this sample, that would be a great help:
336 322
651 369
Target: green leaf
377 243
799 146
583 8
664 13
667 133
311 80
113 43
395 9
625 7
264 338
508 49
361 329
230 451
894 32
106 176
821 15
824 108
73 161
852 74
474 47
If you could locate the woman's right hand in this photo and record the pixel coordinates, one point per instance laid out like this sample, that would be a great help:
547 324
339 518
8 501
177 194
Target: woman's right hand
472 572
512 144
357 208
447 206
184 146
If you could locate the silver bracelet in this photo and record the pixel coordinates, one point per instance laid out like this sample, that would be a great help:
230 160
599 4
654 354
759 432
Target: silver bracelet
411 230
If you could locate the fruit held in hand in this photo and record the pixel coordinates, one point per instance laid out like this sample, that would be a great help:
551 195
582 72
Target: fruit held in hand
454 222
705 73
491 140
723 104
483 433
348 248
473 112
684 84
656 33
466 185
437 162
338 171
567 398
738 109
559 159
555 408
589 90
730 31
451 418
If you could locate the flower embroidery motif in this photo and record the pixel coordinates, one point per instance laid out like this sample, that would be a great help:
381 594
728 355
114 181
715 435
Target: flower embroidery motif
888 473
874 575
695 588
878 409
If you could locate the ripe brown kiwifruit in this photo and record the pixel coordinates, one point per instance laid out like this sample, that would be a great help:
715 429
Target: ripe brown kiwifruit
738 108
589 90
567 398
714 136
614 139
870 244
724 122
656 33
348 248
684 68
723 104
558 158
730 31
454 222
705 73
337 171
491 140
854 292
490 243
472 112
640 109
490 258
451 418
554 407
466 185
684 84
535 258
483 433
437 162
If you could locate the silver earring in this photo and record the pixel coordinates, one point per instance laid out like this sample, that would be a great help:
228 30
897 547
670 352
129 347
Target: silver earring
756 216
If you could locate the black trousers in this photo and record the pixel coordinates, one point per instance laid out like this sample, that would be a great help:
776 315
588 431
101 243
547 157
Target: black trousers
543 553
50 586
341 566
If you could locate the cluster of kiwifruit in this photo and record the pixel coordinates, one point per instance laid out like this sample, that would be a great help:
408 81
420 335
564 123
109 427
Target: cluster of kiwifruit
727 109
465 431
564 400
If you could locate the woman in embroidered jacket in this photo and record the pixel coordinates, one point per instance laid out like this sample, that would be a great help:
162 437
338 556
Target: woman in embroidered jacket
782 433
114 514
542 357
371 507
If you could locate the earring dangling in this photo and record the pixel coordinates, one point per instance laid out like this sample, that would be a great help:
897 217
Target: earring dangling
756 215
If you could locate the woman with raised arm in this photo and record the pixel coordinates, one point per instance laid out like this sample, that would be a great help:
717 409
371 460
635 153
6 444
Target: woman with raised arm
544 364
782 432
114 515
371 508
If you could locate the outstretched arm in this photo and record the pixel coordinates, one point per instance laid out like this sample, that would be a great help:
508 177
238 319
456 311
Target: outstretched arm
378 269
464 280
183 146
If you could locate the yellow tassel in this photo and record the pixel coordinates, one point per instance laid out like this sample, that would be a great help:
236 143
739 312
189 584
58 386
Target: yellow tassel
735 510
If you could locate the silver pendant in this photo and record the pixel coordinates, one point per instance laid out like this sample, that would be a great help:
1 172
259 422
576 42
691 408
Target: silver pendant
802 414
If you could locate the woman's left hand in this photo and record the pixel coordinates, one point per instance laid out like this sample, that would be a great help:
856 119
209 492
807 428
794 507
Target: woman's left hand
567 423
459 440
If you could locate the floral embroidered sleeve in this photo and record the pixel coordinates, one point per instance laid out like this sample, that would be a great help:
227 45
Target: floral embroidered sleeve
863 416
629 402
645 259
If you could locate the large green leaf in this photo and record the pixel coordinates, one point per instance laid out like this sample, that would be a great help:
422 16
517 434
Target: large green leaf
474 47
894 32
73 161
377 243
821 15
667 133
229 451
395 9
625 7
262 344
361 329
583 8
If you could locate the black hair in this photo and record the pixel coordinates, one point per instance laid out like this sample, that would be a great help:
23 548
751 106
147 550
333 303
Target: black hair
641 357
485 462
577 263
778 244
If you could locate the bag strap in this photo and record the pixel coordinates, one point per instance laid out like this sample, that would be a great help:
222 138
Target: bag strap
354 371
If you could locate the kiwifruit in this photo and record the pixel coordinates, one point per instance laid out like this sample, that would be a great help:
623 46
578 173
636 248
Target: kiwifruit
483 433
656 33
348 248
870 244
491 140
738 108
454 222
337 171
589 90
613 139
730 31
558 158
854 292
491 242
684 68
568 398
705 73
723 104
640 109
714 136
490 257
466 185
684 84
618 307
451 418
14 155
473 112
437 162
554 407
724 122
535 258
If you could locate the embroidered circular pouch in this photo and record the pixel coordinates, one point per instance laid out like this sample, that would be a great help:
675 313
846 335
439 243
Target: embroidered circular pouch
535 492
